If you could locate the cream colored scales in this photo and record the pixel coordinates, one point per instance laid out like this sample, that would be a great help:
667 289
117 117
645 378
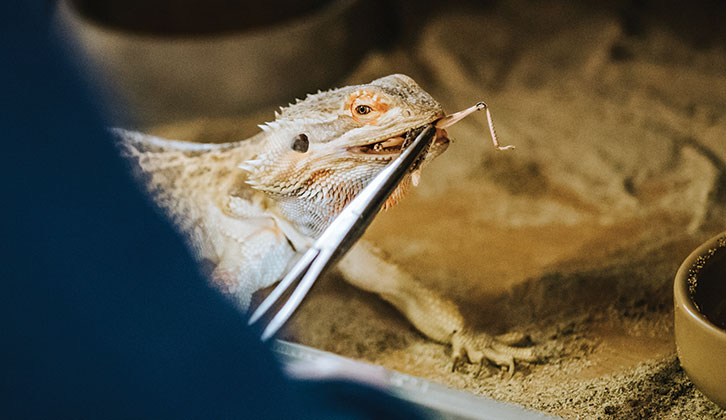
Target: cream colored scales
249 206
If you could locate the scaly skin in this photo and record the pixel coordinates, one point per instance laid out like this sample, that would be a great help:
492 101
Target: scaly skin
248 207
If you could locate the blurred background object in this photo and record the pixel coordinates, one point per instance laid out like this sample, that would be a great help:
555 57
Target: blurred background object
194 17
175 60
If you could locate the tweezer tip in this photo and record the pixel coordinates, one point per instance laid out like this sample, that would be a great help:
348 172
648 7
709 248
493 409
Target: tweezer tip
266 335
257 314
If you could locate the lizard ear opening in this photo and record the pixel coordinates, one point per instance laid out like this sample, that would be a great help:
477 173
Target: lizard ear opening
300 143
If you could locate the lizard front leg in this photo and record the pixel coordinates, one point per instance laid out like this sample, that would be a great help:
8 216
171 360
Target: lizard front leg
252 255
365 267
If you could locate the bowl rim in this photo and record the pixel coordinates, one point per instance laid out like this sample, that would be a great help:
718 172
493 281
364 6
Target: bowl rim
680 285
313 19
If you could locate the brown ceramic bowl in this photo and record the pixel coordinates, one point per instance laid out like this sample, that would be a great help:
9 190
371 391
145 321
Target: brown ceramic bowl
700 317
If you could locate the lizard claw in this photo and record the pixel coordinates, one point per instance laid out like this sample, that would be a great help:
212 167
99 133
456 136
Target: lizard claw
455 363
500 350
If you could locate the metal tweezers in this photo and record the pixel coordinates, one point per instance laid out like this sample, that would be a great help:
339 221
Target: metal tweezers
341 234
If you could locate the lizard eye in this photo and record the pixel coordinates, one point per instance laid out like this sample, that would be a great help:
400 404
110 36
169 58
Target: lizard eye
300 143
366 106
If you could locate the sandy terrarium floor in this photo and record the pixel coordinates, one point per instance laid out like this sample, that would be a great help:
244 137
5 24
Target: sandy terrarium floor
573 238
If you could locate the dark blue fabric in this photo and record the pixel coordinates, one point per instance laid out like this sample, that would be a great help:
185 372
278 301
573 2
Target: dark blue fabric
102 311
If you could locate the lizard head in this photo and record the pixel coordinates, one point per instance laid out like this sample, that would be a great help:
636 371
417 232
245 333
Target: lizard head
321 151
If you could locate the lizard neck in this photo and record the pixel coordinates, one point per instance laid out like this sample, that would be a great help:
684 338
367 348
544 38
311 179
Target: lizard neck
311 214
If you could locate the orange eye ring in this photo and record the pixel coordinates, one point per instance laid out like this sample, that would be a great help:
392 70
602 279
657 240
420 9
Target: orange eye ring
365 107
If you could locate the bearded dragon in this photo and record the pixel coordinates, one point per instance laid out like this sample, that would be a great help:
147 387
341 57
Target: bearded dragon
249 206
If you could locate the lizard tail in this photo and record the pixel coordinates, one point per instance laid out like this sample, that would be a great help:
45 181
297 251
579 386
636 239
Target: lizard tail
145 142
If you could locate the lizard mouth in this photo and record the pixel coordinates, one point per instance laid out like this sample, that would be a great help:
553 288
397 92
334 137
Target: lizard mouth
392 146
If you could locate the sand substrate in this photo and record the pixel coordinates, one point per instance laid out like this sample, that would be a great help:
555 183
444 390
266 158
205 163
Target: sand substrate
574 237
